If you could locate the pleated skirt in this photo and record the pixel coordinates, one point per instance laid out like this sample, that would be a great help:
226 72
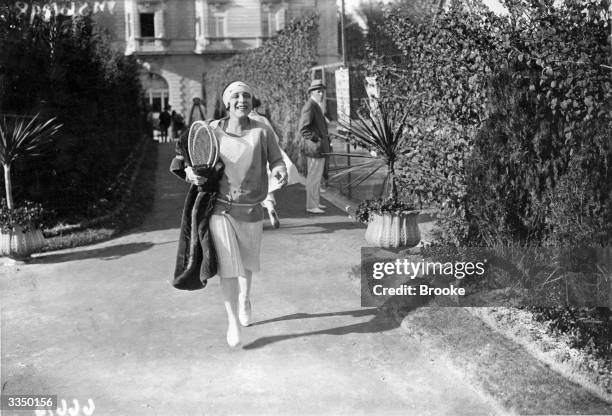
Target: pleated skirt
238 244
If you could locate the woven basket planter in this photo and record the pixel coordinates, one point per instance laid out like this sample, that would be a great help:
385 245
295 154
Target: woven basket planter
18 245
393 231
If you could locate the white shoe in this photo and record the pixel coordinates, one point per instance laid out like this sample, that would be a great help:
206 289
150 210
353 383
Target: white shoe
322 190
244 311
322 206
269 206
315 211
273 218
233 335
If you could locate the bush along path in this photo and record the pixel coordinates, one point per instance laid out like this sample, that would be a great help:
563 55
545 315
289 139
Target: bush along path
134 191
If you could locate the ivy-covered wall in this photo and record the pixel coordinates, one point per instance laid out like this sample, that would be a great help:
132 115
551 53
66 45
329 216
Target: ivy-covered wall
513 139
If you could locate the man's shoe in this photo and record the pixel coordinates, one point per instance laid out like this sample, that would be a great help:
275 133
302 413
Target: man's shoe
322 190
322 206
315 211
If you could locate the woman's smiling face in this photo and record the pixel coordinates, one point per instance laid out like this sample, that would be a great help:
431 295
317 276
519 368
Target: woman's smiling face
240 103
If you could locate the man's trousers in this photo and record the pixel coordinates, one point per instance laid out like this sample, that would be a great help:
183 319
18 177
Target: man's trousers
313 181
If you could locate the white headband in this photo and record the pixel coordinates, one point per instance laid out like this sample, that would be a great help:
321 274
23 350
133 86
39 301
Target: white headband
233 87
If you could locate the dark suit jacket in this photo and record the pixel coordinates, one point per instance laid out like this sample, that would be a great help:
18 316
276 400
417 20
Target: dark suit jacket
313 127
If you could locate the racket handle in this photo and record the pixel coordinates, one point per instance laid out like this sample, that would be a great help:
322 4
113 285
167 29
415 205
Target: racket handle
212 175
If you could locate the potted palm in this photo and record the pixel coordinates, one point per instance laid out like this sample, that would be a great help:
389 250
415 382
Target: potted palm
391 223
21 138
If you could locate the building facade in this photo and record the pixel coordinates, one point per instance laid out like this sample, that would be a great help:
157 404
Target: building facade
179 41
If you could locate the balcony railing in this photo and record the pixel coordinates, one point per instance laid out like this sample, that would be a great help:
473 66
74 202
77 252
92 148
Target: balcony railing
234 42
203 45
150 44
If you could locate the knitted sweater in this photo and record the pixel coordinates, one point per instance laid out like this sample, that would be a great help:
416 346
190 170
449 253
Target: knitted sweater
244 184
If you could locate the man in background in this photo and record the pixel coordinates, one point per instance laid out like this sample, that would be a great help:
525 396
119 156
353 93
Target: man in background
313 130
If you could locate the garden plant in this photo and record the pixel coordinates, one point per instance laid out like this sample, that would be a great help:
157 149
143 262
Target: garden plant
383 131
20 139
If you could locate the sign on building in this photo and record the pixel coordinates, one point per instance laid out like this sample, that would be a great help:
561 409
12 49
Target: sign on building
47 9
372 90
343 95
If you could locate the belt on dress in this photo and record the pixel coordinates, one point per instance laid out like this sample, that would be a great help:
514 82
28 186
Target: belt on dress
235 204
238 204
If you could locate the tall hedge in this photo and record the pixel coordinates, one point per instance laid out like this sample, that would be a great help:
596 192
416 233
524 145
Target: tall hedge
279 71
65 68
516 122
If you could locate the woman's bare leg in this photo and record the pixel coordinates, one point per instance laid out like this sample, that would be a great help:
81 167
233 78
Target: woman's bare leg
244 298
230 289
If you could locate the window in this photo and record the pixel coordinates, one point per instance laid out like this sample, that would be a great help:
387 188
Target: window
219 26
156 91
158 100
280 19
147 25
275 21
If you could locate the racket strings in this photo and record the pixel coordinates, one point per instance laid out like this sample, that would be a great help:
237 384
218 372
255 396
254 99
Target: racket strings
203 145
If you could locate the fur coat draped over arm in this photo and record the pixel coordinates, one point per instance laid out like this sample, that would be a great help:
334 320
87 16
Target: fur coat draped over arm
196 258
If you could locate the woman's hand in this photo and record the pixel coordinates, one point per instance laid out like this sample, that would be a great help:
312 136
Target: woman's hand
280 173
192 178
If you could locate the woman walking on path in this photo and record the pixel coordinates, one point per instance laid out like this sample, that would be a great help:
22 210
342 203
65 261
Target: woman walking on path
237 221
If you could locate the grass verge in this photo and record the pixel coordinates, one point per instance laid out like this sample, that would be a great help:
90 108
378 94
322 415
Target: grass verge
552 348
512 373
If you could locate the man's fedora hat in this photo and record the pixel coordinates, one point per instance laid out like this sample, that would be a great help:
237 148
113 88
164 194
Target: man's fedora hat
316 84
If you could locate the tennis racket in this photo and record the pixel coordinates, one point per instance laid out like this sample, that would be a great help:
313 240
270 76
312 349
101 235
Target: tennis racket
203 149
203 145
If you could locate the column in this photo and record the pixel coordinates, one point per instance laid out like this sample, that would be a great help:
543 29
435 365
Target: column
131 28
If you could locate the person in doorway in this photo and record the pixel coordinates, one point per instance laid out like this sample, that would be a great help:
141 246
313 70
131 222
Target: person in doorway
245 146
293 175
165 119
198 111
313 129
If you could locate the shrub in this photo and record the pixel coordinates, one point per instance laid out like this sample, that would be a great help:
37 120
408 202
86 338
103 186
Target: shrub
381 206
65 68
28 216
520 108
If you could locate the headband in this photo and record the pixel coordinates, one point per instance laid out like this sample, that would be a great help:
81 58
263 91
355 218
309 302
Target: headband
233 87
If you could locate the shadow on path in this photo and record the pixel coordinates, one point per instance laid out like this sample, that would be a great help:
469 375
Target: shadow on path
385 318
324 227
104 253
